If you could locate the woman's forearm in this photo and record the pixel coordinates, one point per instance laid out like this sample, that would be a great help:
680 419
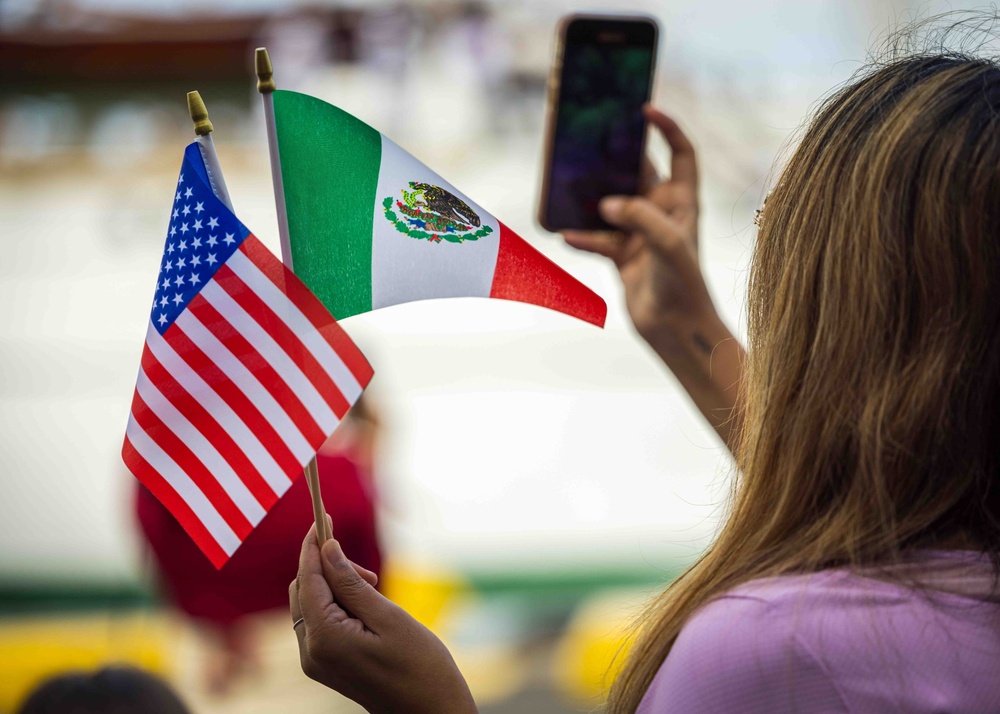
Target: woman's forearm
708 362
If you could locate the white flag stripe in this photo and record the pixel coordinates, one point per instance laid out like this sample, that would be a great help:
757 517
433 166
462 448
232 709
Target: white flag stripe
217 407
273 354
327 357
201 447
160 462
247 383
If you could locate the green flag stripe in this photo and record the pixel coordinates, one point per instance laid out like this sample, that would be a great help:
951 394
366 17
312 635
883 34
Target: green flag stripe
329 165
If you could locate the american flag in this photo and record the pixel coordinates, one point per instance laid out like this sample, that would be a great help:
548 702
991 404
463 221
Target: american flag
243 376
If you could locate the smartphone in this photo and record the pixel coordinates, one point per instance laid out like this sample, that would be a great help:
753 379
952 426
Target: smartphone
595 131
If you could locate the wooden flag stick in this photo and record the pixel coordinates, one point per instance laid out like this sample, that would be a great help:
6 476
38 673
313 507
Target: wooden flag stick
323 533
265 85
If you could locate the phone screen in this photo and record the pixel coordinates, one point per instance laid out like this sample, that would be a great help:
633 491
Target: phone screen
597 144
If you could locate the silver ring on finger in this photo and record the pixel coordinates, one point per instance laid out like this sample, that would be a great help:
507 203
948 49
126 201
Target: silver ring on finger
298 622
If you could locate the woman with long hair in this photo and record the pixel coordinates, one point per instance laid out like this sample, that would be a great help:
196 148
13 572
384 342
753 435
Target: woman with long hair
857 568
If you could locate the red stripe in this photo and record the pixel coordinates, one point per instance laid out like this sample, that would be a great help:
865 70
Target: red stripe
177 506
310 306
525 275
195 413
235 398
191 465
279 330
254 361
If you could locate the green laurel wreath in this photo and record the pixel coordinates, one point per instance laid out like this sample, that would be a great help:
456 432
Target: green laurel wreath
403 228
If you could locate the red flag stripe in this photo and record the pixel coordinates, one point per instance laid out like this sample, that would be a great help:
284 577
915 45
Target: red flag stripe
164 463
284 396
285 337
290 313
234 397
525 275
194 411
234 427
312 308
154 426
215 466
175 503
251 328
246 378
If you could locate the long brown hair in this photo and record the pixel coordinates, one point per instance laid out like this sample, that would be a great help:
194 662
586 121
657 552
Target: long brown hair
872 385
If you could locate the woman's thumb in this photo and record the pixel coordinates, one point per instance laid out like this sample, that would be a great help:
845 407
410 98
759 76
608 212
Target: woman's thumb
350 590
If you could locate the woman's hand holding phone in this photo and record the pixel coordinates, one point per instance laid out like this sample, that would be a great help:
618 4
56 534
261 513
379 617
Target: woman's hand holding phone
656 253
656 248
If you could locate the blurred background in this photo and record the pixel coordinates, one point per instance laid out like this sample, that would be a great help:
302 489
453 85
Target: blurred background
537 478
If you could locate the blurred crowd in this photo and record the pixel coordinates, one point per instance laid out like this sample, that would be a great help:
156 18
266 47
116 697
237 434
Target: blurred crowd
81 80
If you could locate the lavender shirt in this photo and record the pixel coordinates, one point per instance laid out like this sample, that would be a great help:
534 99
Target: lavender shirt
837 642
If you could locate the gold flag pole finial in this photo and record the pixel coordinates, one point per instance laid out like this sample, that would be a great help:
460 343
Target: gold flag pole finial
265 74
199 114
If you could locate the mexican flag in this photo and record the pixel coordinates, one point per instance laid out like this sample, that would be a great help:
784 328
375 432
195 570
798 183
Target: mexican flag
370 226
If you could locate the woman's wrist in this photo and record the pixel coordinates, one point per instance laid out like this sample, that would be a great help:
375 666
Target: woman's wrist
707 360
686 342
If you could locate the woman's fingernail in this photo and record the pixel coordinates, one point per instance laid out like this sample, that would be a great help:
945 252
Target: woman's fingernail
611 207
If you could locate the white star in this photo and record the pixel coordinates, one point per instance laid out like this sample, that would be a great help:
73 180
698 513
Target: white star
197 225
213 222
181 179
176 211
229 239
212 240
177 197
179 281
184 229
187 194
212 259
166 284
187 210
178 299
200 207
163 318
170 248
168 267
194 279
163 300
195 261
173 231
181 263
196 243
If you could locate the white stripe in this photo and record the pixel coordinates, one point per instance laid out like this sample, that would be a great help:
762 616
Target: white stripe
288 311
202 448
219 410
405 268
203 509
247 383
273 354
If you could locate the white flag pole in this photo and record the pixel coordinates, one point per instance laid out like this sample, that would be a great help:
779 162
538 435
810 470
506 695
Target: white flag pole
265 85
203 129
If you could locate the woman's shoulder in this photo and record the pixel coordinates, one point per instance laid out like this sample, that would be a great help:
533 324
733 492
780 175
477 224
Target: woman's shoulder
740 652
831 641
